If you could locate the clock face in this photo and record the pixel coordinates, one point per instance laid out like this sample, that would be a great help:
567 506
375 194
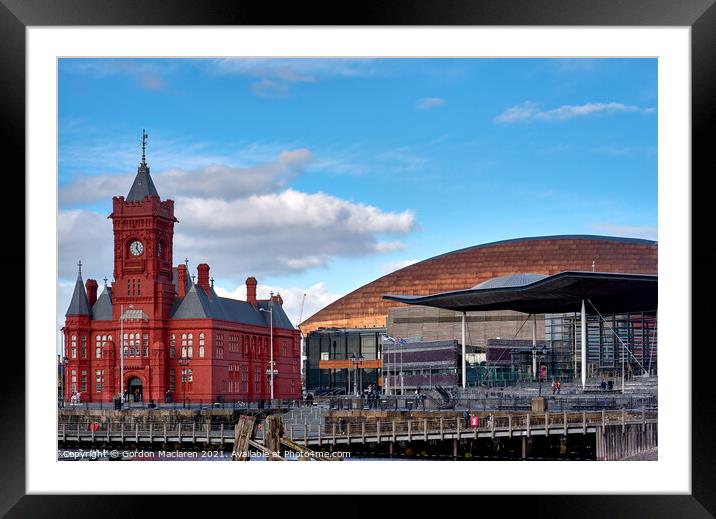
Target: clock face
136 248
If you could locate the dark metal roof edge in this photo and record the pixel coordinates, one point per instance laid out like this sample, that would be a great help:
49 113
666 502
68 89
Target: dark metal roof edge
529 286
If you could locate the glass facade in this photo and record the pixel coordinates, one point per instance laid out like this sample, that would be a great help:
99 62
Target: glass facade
327 344
625 342
612 341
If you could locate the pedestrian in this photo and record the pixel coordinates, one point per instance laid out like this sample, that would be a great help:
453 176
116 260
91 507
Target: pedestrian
340 425
466 416
554 386
559 387
603 385
168 396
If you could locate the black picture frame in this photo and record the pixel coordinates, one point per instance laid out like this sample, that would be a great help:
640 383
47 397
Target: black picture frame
699 15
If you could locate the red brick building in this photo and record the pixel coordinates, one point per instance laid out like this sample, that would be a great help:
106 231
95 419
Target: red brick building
168 318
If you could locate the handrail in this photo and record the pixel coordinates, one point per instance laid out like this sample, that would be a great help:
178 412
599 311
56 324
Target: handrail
364 428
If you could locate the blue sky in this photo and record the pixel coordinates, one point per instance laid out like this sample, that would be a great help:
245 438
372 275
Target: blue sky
319 175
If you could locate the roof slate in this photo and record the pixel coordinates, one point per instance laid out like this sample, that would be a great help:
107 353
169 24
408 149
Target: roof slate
79 304
197 304
142 186
102 309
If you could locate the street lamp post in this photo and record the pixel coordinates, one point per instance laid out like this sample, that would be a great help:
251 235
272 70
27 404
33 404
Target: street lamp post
356 360
63 362
184 363
272 368
538 354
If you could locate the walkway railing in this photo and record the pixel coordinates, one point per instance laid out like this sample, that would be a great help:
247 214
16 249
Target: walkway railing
361 431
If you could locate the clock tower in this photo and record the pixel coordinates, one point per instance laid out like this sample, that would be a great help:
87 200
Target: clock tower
143 243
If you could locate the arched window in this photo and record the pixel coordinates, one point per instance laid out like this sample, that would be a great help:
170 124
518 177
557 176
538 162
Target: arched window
183 352
145 344
172 346
190 343
201 352
190 352
98 347
73 347
125 342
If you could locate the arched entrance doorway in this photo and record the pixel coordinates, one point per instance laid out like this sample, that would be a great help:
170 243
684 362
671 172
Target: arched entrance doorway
134 386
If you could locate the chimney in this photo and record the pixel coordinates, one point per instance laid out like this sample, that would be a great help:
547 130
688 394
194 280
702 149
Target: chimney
277 299
251 290
91 286
203 270
181 280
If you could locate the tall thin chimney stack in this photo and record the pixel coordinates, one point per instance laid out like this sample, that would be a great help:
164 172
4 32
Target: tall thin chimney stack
251 290
203 270
181 280
91 287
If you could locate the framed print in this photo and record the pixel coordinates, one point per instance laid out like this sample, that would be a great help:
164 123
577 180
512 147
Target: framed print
426 237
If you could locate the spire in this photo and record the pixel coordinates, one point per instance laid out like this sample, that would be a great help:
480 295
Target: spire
79 304
144 146
143 184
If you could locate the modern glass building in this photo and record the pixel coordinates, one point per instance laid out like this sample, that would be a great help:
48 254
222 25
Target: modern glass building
343 360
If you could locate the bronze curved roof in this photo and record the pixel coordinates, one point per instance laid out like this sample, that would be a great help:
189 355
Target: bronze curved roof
465 268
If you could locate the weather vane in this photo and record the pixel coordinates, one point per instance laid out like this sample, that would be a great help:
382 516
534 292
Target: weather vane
144 146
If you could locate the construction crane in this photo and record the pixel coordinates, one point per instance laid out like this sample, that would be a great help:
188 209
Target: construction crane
300 320
300 314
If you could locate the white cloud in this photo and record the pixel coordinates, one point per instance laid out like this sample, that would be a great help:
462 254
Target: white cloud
214 181
317 297
149 75
284 232
291 70
86 236
242 221
387 268
275 75
403 159
390 246
530 111
426 103
630 231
